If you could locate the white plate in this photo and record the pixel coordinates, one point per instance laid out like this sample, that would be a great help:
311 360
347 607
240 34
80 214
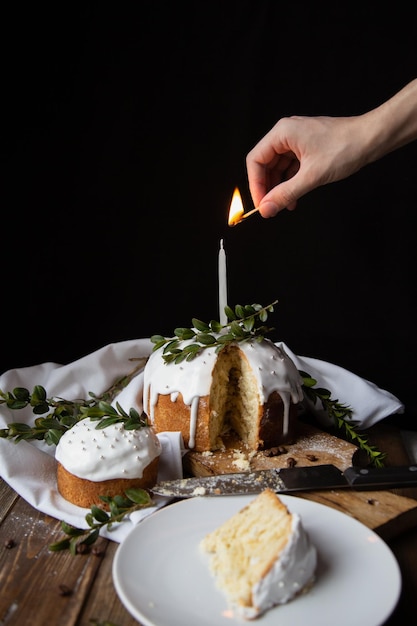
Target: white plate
163 580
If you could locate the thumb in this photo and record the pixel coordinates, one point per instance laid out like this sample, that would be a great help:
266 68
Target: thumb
284 196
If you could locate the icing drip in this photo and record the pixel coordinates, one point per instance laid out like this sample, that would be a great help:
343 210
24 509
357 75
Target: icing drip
193 421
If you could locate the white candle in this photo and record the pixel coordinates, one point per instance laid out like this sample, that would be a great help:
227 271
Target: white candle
222 285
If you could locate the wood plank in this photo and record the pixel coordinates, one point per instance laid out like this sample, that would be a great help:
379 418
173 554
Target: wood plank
387 513
104 605
31 575
7 498
32 578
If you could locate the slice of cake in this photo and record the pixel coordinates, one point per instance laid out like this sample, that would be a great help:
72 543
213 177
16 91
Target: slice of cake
251 388
93 463
261 557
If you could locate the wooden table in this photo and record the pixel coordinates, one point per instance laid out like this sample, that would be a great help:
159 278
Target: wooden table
42 587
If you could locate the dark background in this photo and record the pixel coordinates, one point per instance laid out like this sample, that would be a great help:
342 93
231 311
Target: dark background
126 130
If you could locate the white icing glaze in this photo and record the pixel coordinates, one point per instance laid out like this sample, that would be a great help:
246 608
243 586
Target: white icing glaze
293 571
272 368
108 453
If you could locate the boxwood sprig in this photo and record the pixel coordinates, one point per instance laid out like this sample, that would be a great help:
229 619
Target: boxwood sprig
63 414
79 540
243 323
342 417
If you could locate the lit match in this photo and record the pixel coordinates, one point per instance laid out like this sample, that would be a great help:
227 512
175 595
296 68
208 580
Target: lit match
236 213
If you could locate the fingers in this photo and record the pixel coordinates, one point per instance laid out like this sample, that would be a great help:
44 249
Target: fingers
272 197
259 165
271 184
271 165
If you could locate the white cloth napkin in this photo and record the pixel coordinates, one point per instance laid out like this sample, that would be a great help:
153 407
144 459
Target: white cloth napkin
369 403
29 467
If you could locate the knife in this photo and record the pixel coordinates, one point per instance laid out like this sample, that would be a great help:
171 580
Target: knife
290 480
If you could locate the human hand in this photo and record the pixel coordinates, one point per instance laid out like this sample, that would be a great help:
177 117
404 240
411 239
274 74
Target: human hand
299 154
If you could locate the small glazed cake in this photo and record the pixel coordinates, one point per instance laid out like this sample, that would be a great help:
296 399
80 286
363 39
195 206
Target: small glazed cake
250 387
105 462
261 557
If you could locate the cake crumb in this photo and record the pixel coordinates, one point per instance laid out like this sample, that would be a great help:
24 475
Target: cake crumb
240 461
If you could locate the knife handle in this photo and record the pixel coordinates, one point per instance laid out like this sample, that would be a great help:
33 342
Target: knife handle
390 477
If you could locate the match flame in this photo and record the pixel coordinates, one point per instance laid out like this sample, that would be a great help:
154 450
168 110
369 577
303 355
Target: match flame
236 208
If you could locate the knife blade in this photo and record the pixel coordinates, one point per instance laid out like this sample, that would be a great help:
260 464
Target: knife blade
290 480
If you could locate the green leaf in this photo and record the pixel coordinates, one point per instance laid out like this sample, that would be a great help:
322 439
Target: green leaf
107 409
92 537
121 410
249 323
106 421
179 356
121 501
205 339
53 436
89 518
192 347
225 339
114 508
38 394
22 394
70 530
237 330
158 344
16 428
99 514
58 546
229 313
41 408
134 414
139 496
184 333
263 316
171 345
16 404
215 326
157 339
201 326
131 424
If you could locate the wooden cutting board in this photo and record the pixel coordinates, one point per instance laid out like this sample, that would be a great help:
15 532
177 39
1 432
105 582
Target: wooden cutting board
387 513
